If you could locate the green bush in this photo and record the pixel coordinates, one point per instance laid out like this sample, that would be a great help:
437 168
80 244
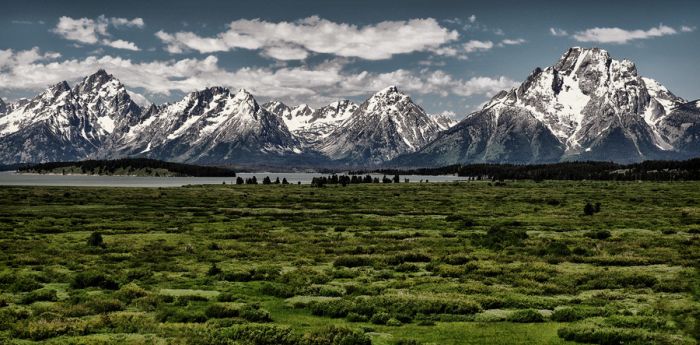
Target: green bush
526 316
254 314
570 314
95 240
353 261
84 280
335 335
380 318
393 322
39 295
219 310
407 257
355 317
499 237
176 314
258 334
24 283
599 234
595 334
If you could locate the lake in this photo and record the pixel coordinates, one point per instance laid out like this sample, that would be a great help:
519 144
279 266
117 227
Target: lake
10 178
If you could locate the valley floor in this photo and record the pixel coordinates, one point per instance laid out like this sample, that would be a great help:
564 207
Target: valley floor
438 263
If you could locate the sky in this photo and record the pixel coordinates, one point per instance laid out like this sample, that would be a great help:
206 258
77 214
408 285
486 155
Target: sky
449 56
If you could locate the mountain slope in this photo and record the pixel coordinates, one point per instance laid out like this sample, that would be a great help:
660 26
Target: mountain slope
210 126
386 125
596 108
311 126
64 123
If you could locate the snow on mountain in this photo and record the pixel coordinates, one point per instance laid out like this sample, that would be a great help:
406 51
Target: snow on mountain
586 106
596 107
386 125
444 121
309 125
51 127
211 125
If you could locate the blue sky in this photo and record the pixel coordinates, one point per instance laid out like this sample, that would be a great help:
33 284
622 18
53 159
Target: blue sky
450 56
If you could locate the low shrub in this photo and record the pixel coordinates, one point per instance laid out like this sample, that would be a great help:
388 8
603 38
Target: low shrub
599 234
335 335
220 310
176 314
380 318
39 295
570 314
353 261
355 317
407 257
526 316
595 334
254 314
84 280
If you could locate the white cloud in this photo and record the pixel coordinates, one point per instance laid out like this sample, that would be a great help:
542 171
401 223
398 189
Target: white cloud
30 70
472 18
558 32
622 36
136 22
512 42
121 44
94 31
476 45
686 28
316 35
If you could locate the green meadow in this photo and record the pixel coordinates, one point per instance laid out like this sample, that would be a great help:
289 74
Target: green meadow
513 262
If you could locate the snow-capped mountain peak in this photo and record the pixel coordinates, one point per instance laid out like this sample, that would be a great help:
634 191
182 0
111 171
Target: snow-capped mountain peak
586 106
386 125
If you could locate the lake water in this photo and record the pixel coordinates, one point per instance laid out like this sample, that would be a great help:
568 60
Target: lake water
9 178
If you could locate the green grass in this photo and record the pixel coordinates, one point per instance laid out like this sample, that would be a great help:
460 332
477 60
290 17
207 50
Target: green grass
438 263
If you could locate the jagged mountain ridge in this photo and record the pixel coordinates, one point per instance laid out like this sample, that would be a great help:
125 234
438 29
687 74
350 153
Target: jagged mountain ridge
585 106
595 107
213 125
386 125
311 126
63 123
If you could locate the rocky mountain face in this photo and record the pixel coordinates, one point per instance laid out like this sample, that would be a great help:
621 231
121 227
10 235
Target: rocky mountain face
311 126
209 126
587 106
386 125
444 122
64 123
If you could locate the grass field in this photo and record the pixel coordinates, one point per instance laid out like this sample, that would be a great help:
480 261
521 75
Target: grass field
467 263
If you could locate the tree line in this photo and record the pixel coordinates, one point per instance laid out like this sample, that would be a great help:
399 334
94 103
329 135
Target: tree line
111 166
688 170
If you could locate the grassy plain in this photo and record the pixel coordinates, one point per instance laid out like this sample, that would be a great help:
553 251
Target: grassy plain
466 263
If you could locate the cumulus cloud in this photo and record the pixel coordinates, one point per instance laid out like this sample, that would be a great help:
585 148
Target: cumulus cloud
621 36
95 31
512 42
33 70
686 28
476 45
296 40
558 32
121 44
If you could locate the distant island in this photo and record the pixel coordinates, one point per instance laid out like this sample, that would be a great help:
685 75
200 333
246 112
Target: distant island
127 167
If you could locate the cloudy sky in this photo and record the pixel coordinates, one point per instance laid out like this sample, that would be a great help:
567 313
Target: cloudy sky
450 56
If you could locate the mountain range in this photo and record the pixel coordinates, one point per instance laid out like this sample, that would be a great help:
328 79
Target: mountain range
587 106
